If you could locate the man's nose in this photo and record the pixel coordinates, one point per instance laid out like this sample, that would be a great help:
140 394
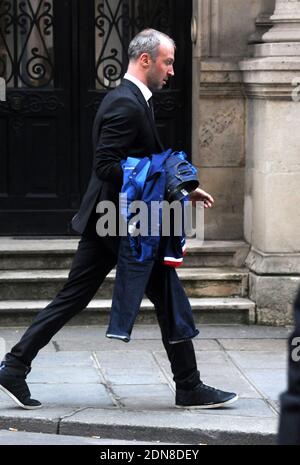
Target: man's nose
171 71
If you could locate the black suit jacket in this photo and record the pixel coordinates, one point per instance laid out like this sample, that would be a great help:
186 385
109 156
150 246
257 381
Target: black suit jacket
123 127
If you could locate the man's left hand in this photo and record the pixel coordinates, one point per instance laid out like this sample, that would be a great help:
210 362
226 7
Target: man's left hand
202 196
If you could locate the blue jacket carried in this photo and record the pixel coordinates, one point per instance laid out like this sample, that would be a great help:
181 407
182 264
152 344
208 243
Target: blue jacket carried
145 179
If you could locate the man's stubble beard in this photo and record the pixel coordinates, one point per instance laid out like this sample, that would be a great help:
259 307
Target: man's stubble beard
154 82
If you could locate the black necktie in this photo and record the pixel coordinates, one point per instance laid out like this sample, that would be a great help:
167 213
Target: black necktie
150 102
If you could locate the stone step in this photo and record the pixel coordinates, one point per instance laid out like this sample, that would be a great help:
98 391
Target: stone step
206 311
43 253
197 282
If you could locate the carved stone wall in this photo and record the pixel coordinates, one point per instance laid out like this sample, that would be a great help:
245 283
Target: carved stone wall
226 31
272 212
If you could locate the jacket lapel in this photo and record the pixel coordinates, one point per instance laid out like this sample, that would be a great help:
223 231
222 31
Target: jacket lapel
143 102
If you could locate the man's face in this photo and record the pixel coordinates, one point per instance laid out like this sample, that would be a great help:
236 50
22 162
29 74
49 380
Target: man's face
161 69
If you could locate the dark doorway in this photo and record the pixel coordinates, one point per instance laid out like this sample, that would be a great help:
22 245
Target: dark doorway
59 58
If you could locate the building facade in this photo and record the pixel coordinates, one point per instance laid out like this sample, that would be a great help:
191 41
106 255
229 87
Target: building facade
246 138
234 105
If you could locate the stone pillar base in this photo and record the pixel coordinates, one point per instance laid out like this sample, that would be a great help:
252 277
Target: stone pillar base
274 279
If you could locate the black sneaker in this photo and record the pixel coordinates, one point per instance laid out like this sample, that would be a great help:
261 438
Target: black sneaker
12 383
204 397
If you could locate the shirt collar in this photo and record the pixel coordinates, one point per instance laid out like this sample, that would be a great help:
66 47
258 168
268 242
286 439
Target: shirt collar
144 89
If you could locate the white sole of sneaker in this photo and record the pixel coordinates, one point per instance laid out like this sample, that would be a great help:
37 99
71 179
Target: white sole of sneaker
222 404
26 407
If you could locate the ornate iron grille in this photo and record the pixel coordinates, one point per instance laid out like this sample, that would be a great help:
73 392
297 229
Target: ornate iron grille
116 22
26 43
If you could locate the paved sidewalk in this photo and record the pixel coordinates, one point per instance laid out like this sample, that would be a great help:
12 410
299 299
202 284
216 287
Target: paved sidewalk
20 438
94 386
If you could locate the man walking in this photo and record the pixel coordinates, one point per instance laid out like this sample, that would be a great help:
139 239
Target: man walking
124 127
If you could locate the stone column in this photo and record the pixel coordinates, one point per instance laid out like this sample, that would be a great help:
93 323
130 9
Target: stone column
272 198
286 21
221 30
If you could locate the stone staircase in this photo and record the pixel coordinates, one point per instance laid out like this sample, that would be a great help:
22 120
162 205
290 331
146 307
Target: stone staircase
33 270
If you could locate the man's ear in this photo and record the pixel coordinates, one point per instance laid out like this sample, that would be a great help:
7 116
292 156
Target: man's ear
145 60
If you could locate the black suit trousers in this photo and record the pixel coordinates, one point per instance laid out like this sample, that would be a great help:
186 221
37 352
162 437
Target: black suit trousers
94 259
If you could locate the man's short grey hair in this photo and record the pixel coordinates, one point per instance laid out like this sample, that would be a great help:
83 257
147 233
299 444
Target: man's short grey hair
147 41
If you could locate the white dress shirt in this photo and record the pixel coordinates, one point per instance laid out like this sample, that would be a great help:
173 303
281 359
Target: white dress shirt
144 89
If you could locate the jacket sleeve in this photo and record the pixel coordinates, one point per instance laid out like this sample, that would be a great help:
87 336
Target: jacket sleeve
117 133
